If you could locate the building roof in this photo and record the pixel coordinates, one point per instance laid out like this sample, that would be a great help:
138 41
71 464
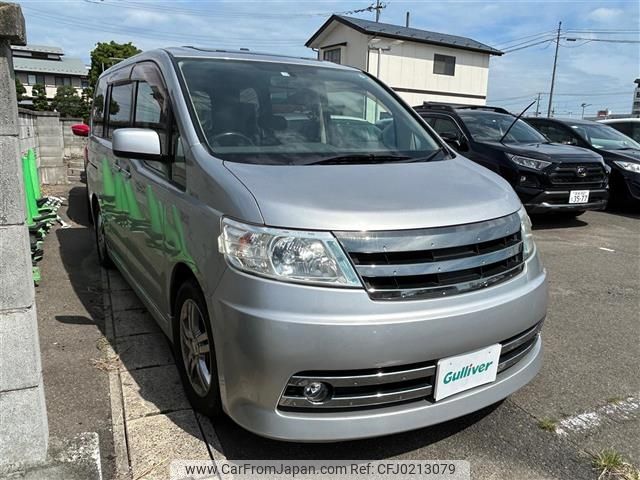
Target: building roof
405 33
38 48
66 66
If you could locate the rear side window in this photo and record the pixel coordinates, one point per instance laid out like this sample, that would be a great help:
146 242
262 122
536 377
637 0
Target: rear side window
97 113
120 102
554 133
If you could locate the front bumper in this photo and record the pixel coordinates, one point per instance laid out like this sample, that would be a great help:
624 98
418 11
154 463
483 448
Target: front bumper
558 200
267 331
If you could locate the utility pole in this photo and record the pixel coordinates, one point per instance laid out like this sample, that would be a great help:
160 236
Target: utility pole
584 105
377 8
538 105
553 75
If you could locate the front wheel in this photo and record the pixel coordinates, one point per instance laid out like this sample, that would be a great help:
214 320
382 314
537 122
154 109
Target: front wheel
195 354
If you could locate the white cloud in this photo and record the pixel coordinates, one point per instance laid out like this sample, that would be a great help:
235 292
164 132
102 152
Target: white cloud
605 15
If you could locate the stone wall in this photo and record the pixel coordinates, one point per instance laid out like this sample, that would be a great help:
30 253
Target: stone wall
24 431
58 150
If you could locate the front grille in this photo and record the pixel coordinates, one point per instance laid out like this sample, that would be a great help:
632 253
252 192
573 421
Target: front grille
592 175
384 387
427 263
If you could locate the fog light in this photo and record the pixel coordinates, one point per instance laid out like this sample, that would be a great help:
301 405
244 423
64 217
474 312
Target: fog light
523 178
316 392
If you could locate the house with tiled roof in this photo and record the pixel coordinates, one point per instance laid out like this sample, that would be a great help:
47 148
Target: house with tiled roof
48 66
419 65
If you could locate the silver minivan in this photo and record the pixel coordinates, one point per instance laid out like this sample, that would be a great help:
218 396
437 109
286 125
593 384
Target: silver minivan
324 265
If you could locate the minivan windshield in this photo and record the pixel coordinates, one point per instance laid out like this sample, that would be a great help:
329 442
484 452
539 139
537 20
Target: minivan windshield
487 126
605 137
266 112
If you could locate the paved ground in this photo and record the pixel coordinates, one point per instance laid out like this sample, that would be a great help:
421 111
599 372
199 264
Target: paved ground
589 388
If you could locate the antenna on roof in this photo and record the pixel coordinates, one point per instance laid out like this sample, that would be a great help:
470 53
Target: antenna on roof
407 21
379 6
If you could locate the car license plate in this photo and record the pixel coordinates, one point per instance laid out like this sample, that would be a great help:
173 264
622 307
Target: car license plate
462 372
578 196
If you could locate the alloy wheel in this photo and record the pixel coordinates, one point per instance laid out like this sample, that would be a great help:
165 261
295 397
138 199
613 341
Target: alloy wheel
194 343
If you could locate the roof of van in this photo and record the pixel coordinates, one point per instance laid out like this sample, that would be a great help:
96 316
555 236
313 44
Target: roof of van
201 52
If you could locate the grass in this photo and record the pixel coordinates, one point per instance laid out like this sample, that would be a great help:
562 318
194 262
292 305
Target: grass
548 424
612 465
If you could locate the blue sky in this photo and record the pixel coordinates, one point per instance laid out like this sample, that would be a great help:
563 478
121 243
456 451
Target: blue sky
595 72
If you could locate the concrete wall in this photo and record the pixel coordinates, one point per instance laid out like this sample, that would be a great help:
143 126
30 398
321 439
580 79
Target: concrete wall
58 151
24 432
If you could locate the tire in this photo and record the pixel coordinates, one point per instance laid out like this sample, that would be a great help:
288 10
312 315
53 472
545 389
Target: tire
101 242
192 331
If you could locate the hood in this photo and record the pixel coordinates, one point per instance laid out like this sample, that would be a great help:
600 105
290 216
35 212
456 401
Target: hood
633 155
390 196
552 152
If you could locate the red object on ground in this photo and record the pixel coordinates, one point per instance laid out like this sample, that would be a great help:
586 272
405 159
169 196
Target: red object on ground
80 129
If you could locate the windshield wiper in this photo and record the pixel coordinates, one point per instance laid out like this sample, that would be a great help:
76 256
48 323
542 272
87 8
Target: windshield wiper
360 158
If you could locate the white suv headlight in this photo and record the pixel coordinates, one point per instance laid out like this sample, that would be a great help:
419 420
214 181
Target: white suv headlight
630 166
528 162
287 255
527 234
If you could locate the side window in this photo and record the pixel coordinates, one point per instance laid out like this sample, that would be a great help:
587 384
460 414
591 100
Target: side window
446 126
97 112
555 134
119 107
152 109
430 120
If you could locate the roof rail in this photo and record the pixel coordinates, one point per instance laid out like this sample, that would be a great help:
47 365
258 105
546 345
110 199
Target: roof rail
449 107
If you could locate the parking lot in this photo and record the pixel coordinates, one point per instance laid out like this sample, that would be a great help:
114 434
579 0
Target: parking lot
108 368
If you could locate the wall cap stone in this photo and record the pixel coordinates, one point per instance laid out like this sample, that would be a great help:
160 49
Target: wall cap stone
38 113
12 25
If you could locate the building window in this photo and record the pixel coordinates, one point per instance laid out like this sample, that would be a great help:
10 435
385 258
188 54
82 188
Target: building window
332 55
33 79
444 64
60 81
84 83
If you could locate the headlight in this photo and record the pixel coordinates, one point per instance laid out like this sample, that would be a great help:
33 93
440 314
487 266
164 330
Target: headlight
287 255
527 235
528 162
630 166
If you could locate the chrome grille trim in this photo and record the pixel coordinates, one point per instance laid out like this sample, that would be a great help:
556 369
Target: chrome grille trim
353 401
363 380
443 266
426 263
429 238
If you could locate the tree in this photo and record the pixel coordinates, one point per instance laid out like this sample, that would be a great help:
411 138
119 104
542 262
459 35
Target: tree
68 103
105 55
20 90
39 96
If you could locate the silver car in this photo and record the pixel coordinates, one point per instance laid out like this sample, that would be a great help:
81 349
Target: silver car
324 265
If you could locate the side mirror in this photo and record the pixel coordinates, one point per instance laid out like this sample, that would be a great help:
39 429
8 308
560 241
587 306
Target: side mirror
80 130
454 141
138 143
571 141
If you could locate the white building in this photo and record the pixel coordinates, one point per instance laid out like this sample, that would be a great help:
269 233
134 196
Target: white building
40 64
419 65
